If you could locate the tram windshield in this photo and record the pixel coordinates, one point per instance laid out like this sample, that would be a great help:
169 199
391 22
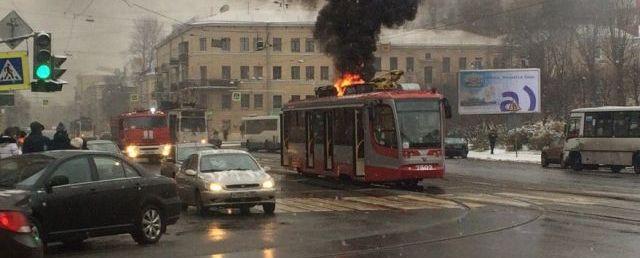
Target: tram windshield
419 122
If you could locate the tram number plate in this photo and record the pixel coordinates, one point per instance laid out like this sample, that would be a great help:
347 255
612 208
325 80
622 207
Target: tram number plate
424 167
243 195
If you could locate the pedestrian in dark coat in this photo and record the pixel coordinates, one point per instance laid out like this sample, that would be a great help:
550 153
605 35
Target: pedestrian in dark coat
61 139
493 137
36 142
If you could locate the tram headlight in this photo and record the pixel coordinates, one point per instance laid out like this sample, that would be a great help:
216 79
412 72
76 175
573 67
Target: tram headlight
268 184
215 187
132 151
166 150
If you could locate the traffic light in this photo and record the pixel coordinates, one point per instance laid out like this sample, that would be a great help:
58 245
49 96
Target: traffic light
42 56
46 66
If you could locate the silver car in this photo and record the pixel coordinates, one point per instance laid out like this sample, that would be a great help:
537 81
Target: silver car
225 179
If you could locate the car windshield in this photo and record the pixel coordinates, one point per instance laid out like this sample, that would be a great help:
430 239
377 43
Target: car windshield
22 170
225 162
185 152
454 141
103 146
419 122
145 122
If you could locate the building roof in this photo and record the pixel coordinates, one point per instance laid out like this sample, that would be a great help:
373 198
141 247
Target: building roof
262 16
434 38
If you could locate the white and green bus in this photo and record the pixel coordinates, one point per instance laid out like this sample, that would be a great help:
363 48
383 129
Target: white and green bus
261 133
603 136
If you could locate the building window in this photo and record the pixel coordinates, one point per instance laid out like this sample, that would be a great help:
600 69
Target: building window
324 73
393 63
226 101
226 72
309 96
428 74
277 101
277 44
258 43
462 63
203 73
295 73
295 45
477 64
446 65
427 56
311 72
203 44
225 44
410 63
295 97
257 73
377 64
244 44
310 45
257 101
277 72
244 72
245 101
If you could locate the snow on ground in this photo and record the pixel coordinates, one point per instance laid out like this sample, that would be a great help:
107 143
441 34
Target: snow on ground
503 155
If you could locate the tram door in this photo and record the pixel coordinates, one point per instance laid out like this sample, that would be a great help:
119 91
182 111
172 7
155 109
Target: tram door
359 142
310 139
328 144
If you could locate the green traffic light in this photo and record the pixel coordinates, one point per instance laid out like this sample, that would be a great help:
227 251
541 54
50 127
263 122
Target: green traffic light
43 72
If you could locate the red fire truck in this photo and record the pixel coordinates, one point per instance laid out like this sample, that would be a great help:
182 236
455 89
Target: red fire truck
143 134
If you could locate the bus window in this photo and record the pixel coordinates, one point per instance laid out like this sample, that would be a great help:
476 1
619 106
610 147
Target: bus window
193 124
621 124
598 124
259 126
384 126
574 128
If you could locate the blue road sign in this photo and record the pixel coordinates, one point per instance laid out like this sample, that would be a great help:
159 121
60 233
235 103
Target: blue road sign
14 71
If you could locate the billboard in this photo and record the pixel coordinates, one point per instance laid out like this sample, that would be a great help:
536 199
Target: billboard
499 91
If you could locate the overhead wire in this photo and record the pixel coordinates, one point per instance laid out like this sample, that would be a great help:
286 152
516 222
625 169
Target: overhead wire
131 3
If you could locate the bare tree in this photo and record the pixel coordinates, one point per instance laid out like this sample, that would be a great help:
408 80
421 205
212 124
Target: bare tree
633 75
621 14
146 35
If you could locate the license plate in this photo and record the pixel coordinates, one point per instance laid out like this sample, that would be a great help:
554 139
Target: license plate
243 195
425 167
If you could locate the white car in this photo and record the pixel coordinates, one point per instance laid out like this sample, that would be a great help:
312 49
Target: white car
225 179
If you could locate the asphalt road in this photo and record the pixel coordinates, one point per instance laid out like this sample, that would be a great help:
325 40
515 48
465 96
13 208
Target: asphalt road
480 209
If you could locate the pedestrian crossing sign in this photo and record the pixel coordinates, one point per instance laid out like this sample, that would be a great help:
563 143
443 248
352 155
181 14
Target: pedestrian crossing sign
14 71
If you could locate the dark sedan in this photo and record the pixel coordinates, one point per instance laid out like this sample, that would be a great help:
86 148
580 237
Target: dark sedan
73 195
18 235
456 147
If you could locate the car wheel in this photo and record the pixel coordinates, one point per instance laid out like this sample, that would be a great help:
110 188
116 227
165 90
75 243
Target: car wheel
464 156
616 169
544 161
202 210
149 227
577 162
269 208
636 164
244 210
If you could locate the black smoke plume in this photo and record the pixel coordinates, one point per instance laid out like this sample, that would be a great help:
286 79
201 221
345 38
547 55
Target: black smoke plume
348 30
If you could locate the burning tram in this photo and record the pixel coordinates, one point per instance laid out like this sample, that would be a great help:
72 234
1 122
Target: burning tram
370 134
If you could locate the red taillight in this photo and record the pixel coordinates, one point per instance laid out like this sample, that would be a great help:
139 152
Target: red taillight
436 153
410 153
14 221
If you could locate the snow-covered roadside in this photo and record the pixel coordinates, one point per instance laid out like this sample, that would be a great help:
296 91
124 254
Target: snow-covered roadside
503 155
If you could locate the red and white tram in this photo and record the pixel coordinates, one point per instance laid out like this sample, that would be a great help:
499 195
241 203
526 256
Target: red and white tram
379 136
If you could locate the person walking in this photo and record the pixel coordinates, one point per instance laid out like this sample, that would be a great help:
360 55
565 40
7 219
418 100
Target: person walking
9 143
36 142
493 137
61 139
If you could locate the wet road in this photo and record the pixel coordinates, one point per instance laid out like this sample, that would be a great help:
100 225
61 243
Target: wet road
481 209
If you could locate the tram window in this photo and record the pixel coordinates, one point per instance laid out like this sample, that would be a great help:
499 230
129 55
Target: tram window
343 127
295 126
634 124
318 127
384 126
621 124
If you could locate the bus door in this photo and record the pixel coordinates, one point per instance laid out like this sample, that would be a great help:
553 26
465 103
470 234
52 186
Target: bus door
173 127
359 142
328 143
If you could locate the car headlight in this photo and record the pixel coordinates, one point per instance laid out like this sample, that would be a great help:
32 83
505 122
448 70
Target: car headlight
268 184
166 150
203 141
214 187
132 151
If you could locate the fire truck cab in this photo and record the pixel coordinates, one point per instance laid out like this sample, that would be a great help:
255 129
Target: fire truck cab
143 134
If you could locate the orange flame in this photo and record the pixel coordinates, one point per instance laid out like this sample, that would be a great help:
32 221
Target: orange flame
346 80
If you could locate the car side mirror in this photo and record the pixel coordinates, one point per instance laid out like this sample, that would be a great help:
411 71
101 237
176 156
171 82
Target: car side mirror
190 172
57 181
